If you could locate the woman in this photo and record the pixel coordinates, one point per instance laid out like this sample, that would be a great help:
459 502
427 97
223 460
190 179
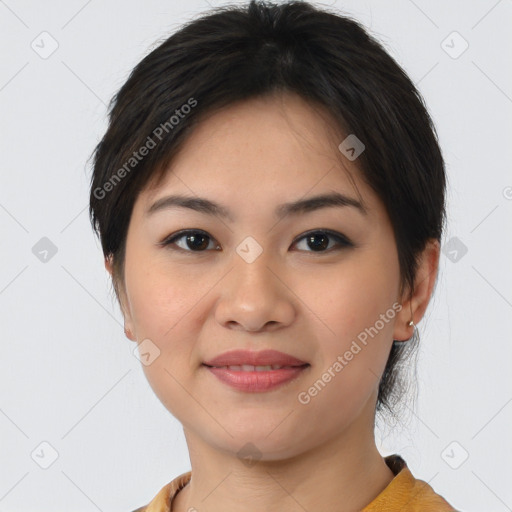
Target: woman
270 199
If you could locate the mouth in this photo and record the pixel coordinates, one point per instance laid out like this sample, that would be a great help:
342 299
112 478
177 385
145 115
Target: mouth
249 371
252 368
256 379
247 360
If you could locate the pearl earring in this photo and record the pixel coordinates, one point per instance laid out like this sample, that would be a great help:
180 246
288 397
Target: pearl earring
411 323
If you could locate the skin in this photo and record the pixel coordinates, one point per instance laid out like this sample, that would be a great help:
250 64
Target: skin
251 157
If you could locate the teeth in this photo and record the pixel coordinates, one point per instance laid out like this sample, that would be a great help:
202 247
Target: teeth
251 368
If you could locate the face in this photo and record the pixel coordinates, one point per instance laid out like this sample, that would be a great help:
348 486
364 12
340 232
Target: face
313 283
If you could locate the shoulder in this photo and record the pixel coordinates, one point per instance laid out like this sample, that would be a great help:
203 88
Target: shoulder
407 492
160 503
424 498
163 500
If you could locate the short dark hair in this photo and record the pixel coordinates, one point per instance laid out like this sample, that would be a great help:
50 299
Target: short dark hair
238 52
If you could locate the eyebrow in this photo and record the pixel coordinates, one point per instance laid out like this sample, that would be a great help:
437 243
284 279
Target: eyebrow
203 205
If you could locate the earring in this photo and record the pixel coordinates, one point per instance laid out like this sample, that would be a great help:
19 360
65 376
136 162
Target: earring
411 323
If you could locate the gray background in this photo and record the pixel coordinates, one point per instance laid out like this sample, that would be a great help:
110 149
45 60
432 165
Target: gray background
73 396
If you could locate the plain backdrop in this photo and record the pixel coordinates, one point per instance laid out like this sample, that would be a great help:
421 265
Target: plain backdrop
80 428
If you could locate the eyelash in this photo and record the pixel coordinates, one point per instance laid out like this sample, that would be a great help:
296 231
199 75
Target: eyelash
342 240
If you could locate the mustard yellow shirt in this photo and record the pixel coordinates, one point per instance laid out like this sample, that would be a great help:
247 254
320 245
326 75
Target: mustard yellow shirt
403 494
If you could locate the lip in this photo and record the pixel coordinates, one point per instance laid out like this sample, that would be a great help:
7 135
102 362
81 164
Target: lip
257 381
261 358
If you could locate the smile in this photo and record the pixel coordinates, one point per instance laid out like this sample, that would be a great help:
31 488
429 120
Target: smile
254 379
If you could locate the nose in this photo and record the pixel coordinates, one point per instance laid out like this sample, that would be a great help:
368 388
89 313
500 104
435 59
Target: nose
254 297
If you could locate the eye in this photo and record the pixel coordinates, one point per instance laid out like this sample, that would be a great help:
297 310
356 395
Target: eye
195 240
319 240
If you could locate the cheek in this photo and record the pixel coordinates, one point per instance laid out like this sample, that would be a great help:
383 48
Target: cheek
167 305
160 296
358 295
163 305
358 315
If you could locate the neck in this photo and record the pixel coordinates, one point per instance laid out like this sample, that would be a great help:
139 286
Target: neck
343 474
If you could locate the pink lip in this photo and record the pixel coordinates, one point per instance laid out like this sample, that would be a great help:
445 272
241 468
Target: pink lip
261 358
253 381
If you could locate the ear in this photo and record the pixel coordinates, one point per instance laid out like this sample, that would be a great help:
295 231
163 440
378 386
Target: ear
128 327
108 264
414 307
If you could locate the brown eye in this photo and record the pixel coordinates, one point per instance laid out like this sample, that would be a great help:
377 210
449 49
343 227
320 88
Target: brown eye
318 241
190 240
193 240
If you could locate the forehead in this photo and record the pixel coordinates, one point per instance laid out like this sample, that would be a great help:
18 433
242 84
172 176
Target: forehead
266 151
